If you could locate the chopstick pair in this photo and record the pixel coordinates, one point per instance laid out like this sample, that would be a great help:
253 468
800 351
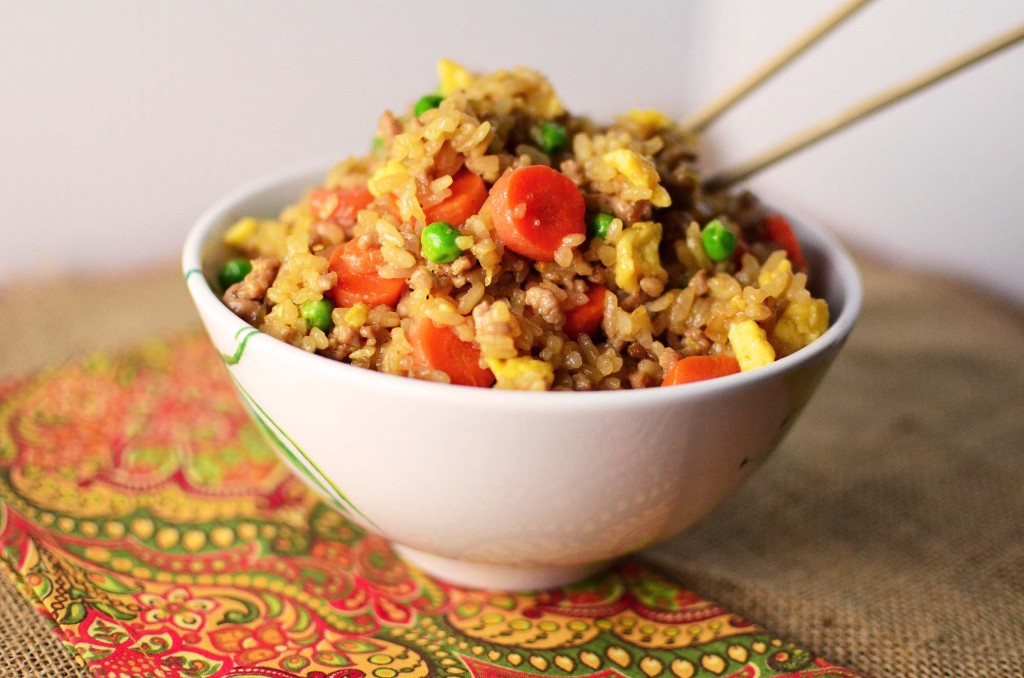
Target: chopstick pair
887 97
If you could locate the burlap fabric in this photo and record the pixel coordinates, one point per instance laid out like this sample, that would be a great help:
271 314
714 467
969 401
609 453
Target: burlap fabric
887 533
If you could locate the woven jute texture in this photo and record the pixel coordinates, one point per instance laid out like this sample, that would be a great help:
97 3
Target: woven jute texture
28 645
886 533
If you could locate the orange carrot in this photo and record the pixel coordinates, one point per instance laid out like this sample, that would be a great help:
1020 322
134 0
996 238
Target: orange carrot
358 280
533 208
439 348
586 319
468 195
699 368
340 205
780 232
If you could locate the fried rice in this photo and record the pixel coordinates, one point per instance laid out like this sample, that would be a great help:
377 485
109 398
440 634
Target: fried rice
658 290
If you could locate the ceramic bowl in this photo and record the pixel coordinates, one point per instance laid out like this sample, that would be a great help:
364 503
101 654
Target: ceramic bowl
505 489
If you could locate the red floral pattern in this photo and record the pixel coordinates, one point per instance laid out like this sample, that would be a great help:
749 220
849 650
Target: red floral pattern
142 512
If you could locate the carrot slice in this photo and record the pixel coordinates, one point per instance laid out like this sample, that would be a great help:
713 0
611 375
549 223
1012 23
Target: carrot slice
358 280
699 368
533 208
586 319
780 232
439 348
340 205
468 195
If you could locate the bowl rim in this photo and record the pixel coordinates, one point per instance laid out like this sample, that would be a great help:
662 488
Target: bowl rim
359 377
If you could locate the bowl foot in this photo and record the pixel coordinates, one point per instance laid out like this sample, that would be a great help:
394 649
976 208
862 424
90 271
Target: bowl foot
502 577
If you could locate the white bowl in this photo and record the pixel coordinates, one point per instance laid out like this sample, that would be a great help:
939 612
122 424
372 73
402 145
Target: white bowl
506 489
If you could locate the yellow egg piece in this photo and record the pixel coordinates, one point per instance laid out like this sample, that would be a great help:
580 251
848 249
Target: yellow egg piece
452 77
357 315
241 231
800 323
522 374
750 344
636 255
650 119
265 238
382 180
639 172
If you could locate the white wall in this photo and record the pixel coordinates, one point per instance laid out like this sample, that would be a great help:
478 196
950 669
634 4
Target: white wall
121 121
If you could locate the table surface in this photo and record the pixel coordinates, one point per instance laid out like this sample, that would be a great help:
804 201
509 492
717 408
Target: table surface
885 534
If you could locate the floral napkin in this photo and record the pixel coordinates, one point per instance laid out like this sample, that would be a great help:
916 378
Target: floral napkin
143 514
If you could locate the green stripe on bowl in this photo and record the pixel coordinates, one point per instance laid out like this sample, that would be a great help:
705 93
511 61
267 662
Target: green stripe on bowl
294 455
246 333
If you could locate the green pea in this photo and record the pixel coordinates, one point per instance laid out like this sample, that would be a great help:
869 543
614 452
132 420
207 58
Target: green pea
377 144
318 314
427 102
437 242
234 271
550 137
599 225
719 242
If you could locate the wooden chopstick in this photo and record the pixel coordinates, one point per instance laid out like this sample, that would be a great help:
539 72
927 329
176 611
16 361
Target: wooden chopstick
884 99
706 115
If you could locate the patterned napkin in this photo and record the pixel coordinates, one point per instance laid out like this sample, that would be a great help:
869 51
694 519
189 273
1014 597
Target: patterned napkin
141 512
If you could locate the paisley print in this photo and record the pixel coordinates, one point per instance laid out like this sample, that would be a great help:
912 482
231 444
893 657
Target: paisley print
143 511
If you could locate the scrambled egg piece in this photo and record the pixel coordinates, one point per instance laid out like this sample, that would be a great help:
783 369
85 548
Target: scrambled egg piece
636 255
801 323
357 315
239 234
750 344
649 119
522 374
452 77
639 172
265 237
380 182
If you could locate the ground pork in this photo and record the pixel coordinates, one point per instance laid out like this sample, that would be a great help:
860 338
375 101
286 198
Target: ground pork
245 298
